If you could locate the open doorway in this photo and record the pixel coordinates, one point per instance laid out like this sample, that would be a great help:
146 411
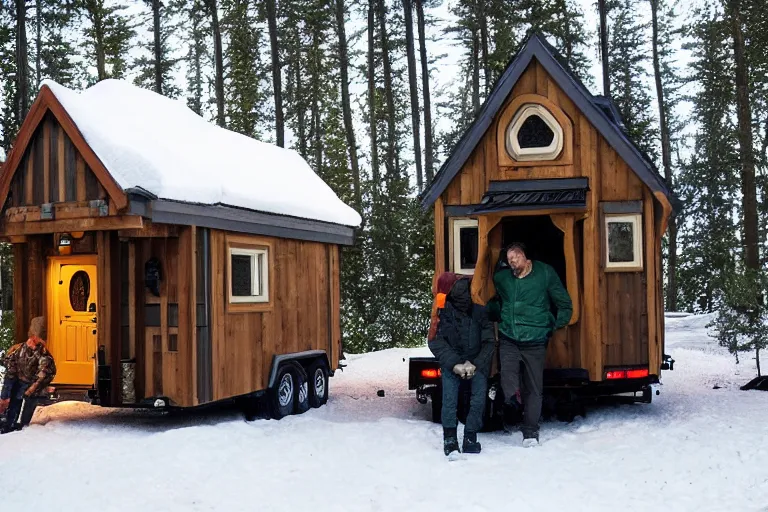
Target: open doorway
543 239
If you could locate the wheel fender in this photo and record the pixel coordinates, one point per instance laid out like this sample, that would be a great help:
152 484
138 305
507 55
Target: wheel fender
295 360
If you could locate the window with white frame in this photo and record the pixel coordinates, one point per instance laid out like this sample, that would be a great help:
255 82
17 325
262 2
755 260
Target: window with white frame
623 242
464 241
248 274
534 134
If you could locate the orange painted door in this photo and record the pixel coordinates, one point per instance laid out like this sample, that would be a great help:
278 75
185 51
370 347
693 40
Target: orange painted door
73 337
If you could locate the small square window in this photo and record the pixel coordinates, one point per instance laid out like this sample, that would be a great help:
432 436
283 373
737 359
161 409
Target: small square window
248 275
464 242
623 242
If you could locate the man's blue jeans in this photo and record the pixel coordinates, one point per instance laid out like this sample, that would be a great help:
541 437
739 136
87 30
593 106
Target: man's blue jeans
15 390
451 384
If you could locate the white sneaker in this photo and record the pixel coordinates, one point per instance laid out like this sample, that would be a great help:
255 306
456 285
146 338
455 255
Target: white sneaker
530 442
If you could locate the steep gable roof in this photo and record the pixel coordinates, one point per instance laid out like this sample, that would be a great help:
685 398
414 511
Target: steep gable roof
45 102
595 109
144 144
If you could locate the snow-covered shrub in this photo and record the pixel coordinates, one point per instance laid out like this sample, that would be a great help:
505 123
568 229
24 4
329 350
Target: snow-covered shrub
742 323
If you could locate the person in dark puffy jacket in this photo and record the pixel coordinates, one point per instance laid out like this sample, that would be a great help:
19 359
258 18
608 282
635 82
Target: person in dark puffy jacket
462 339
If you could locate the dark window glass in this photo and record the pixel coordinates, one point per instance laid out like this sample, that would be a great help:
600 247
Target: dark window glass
79 290
621 247
535 133
241 275
468 247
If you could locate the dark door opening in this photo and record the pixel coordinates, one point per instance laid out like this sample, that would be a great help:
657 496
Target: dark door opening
543 239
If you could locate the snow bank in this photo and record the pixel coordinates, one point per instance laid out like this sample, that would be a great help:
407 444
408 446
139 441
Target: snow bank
150 141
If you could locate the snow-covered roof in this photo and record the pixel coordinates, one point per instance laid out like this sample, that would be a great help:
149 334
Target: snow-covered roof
156 143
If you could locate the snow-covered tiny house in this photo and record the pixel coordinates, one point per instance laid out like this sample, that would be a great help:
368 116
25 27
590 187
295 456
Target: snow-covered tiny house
177 263
547 163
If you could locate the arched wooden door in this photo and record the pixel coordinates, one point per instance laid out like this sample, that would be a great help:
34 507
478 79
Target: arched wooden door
73 292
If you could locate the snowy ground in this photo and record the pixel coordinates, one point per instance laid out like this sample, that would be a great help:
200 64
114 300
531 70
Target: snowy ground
695 448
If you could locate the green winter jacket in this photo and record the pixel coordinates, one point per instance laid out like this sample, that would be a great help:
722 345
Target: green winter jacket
523 305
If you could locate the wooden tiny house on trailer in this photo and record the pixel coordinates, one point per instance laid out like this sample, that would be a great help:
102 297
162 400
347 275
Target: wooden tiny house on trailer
548 164
177 263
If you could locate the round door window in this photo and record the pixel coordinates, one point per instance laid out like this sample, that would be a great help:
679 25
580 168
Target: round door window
79 290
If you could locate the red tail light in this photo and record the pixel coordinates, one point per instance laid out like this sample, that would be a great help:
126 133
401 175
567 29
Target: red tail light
627 374
430 373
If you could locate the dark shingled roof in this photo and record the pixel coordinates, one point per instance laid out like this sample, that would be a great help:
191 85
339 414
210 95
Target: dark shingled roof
600 111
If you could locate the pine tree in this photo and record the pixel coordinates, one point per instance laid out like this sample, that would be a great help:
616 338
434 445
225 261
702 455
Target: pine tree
667 84
55 54
196 33
245 76
109 36
627 58
9 119
156 71
709 182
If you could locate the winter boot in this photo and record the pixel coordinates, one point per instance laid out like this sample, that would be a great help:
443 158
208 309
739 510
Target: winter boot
450 442
470 444
530 439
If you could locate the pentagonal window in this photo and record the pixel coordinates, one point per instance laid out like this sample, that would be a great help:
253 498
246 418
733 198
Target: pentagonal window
534 134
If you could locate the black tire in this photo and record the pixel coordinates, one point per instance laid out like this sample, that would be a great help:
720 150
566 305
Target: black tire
282 395
317 376
437 406
302 393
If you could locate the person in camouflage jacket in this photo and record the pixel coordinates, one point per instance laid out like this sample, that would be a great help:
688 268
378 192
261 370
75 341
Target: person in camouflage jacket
29 370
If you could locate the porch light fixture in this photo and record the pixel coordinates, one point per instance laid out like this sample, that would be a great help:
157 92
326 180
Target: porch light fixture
65 244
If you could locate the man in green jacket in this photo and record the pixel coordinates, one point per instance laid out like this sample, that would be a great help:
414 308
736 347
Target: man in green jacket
525 291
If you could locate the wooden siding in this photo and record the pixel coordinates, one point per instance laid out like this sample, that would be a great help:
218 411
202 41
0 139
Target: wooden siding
621 315
302 313
52 170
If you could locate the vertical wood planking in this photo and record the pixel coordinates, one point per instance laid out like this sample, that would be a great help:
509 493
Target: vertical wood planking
54 164
541 80
29 175
80 178
38 193
190 343
61 164
91 184
19 309
47 160
70 170
591 335
649 241
439 237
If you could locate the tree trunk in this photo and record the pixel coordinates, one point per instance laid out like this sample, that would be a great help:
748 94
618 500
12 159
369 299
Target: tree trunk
316 135
299 106
604 47
388 90
746 150
666 156
197 61
345 103
158 48
415 117
96 11
475 72
22 61
276 72
219 61
484 46
757 360
372 100
428 152
38 43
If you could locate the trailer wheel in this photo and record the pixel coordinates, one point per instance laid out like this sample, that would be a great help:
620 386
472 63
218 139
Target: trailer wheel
283 394
318 384
302 394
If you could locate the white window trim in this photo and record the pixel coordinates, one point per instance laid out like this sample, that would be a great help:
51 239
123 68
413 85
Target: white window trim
259 275
637 241
458 224
513 146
